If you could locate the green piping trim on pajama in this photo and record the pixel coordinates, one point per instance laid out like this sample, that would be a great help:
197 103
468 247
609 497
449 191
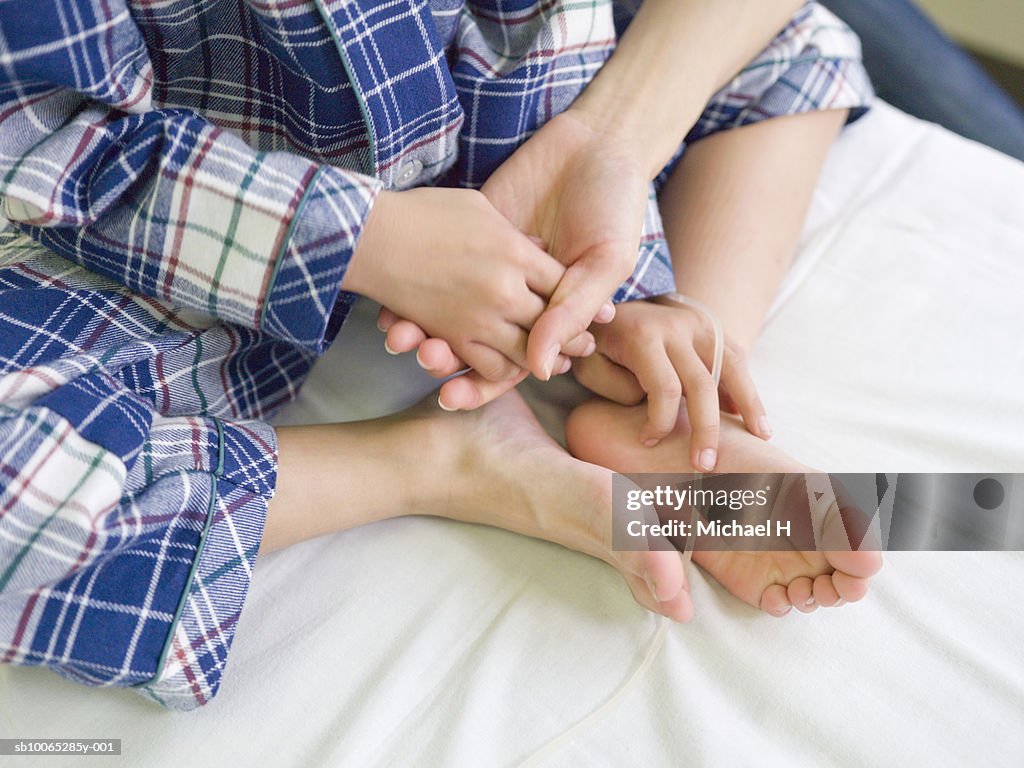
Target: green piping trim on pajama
364 109
284 246
200 547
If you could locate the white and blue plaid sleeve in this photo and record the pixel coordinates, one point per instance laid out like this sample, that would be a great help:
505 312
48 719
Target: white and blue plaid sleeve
157 196
813 64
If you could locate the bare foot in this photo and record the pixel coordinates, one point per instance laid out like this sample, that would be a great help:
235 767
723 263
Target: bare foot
505 471
607 434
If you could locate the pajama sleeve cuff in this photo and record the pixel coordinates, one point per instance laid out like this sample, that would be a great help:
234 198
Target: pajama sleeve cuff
305 304
813 64
239 485
129 540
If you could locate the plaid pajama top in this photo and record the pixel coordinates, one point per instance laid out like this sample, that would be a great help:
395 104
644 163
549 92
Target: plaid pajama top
183 184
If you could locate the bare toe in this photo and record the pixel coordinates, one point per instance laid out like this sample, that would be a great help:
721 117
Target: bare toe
775 600
861 564
850 588
665 572
801 594
679 608
658 583
824 591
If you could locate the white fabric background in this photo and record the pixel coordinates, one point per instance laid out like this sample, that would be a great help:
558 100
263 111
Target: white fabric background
896 344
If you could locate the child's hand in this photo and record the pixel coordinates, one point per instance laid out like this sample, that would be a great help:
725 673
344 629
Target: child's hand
448 261
664 352
435 356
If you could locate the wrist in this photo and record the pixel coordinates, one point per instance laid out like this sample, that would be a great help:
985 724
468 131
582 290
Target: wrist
670 61
635 118
365 273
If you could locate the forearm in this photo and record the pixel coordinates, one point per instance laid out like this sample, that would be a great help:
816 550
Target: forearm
733 210
672 58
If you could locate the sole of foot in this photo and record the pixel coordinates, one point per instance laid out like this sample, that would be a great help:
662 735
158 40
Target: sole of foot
607 434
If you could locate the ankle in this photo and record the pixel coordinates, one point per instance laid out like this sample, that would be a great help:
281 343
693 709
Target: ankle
428 448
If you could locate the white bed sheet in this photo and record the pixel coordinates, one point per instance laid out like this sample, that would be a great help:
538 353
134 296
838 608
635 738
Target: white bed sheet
895 345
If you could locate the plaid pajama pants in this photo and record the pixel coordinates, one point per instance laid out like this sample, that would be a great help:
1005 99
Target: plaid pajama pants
129 523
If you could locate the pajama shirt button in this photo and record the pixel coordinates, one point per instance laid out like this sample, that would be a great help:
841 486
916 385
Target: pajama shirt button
408 173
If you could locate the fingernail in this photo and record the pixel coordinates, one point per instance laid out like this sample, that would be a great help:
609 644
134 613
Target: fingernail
651 442
443 406
549 361
591 348
764 427
784 611
420 362
565 366
606 313
708 459
388 349
652 586
809 601
380 325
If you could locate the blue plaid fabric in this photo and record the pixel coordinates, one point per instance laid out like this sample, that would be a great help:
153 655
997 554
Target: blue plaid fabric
135 472
185 181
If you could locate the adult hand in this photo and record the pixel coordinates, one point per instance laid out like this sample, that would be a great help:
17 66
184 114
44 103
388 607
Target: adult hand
583 193
471 390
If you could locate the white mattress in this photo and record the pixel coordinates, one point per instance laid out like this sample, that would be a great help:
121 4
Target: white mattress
895 345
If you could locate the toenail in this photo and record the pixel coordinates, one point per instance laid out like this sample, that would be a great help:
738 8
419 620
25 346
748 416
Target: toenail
652 585
708 459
